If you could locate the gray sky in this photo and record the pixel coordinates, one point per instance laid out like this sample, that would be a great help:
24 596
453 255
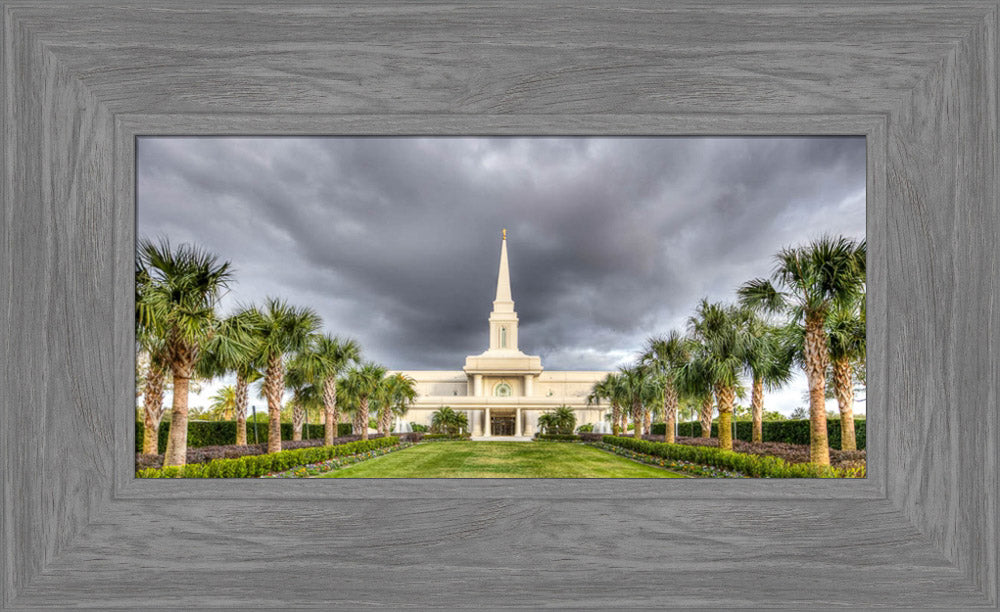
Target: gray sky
395 241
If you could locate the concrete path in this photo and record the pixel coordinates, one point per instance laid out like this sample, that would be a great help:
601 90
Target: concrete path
501 439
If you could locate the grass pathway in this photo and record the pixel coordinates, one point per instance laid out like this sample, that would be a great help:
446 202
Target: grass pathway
500 460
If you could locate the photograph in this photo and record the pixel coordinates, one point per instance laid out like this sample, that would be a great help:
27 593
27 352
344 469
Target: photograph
500 307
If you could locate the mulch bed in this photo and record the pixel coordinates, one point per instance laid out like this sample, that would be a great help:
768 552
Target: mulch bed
792 453
204 454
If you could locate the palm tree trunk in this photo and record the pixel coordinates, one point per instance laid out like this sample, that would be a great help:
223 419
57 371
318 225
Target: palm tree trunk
637 421
385 420
177 454
363 418
816 361
152 408
706 416
274 385
242 399
330 407
757 403
298 418
726 396
670 408
845 401
614 420
647 426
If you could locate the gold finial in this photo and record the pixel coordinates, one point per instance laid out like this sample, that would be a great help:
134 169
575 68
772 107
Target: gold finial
505 233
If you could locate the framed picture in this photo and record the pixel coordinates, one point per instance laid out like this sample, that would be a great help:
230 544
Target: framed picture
81 83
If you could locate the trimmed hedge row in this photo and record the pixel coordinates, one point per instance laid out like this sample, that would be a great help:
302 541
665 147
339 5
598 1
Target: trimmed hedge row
253 466
792 431
558 437
223 433
756 466
432 437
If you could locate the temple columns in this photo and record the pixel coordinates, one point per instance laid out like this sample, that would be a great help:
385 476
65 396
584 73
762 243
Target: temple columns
486 423
517 422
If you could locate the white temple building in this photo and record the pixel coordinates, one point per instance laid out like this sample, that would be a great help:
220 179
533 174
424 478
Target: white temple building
502 390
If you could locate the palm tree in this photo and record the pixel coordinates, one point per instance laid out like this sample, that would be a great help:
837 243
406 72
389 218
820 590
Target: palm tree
151 357
846 337
769 363
666 356
241 353
363 382
397 392
637 390
283 329
605 389
725 342
333 356
447 420
223 403
184 285
808 282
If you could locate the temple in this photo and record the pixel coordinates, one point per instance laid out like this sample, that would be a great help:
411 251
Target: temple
503 390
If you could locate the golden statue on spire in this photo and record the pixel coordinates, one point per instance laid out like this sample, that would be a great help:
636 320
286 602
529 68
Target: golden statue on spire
505 233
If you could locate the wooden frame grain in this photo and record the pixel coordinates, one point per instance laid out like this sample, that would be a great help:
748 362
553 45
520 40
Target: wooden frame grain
81 80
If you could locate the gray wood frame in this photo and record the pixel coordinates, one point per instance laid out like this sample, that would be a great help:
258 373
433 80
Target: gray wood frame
81 80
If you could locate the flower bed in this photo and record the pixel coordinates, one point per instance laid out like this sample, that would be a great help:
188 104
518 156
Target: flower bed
253 466
315 469
747 464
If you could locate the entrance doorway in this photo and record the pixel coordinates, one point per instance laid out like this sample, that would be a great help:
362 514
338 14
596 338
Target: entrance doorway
502 425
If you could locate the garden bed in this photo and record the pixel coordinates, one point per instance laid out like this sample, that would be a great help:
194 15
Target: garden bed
792 453
205 454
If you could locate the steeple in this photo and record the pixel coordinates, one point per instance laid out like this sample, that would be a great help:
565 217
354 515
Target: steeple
502 358
503 301
503 319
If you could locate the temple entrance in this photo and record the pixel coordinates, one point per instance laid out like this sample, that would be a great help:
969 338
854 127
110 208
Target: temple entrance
502 425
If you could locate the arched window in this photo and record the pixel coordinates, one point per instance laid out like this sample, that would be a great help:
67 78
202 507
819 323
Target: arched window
502 390
503 337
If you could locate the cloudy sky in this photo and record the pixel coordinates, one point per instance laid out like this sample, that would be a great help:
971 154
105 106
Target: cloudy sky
395 241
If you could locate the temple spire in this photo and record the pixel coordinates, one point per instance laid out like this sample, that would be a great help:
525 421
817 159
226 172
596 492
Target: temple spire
503 298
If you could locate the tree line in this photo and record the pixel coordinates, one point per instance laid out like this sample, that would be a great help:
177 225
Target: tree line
810 314
181 335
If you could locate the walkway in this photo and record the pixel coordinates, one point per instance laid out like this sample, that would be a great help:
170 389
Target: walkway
501 438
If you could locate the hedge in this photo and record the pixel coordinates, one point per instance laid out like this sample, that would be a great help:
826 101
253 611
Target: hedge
221 433
432 437
756 466
791 431
254 466
558 437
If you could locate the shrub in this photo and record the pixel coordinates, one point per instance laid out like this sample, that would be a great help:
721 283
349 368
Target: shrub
418 428
253 466
790 431
222 433
585 428
558 437
437 437
751 465
562 420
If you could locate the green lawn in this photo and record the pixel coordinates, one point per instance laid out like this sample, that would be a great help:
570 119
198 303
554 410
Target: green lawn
500 460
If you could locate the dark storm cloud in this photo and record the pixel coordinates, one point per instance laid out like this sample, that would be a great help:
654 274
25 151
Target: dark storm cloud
396 241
